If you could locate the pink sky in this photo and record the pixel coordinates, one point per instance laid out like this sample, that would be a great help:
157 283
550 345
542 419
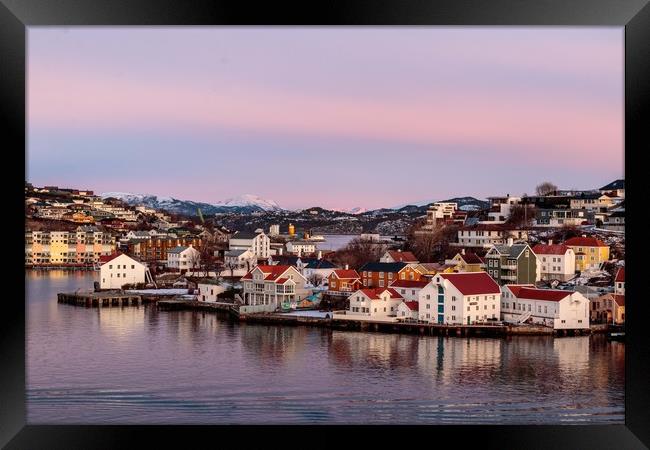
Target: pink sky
537 104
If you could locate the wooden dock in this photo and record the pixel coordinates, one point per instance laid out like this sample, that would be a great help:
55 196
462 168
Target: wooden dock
99 299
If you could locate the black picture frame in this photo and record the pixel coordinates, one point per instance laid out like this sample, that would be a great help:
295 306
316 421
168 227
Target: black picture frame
634 15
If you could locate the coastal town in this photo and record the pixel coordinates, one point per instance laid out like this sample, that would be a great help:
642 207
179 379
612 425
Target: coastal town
549 263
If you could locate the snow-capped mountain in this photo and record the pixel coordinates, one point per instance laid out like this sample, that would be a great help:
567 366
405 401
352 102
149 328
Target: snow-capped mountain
250 200
247 203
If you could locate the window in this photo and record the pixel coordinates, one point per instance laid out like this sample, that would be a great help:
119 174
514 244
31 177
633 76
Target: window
453 307
545 309
118 275
428 306
110 266
484 306
132 266
468 308
381 283
375 309
403 291
413 292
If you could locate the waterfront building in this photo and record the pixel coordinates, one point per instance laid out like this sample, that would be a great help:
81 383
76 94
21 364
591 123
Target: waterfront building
609 308
183 258
590 252
380 274
512 263
154 250
398 256
269 287
460 299
313 268
374 303
209 290
408 310
557 261
343 282
120 269
554 308
82 247
301 247
409 289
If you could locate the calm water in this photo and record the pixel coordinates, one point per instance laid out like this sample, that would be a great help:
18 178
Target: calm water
139 366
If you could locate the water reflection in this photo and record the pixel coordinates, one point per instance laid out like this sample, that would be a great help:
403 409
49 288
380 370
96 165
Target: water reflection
140 365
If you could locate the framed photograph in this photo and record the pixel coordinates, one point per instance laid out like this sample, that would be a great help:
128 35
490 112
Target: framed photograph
372 220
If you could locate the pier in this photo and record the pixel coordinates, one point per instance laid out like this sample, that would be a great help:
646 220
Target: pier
100 299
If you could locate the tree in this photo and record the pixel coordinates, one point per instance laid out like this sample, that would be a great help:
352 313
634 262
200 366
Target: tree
545 188
521 215
315 279
433 245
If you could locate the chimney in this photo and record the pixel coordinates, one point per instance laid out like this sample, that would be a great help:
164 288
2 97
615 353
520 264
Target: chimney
347 267
584 235
510 241
462 251
280 250
320 254
399 250
550 242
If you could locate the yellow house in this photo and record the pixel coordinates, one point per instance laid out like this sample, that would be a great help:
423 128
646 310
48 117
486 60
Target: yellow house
467 262
434 268
590 252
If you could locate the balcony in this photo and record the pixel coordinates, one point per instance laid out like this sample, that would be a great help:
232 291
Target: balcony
509 277
509 266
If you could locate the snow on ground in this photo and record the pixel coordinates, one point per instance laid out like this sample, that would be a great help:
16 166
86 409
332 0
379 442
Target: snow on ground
159 291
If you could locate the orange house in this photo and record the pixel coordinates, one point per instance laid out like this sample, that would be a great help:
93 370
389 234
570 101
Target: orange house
410 272
343 282
380 274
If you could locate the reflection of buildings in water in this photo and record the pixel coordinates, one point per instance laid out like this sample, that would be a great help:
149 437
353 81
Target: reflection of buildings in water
273 345
120 323
373 350
572 353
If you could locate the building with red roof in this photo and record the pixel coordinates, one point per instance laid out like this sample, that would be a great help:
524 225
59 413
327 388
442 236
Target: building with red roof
557 261
460 299
619 281
590 252
398 256
343 282
374 303
609 308
267 288
465 261
555 308
409 289
408 310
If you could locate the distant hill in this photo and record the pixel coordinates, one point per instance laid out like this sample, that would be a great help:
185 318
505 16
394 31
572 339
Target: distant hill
464 204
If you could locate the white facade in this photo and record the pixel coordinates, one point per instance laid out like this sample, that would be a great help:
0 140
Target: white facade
410 290
122 270
552 308
407 311
260 244
558 266
301 247
486 237
271 286
451 303
208 292
186 259
379 303
501 207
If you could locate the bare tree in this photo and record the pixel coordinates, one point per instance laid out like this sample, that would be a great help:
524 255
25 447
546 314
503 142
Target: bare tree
434 245
315 279
521 215
545 188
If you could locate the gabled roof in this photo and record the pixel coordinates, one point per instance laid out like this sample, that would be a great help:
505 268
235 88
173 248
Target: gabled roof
549 295
620 275
409 284
374 293
271 273
619 299
472 283
618 184
244 235
107 258
515 288
402 256
511 250
470 258
345 274
319 264
413 306
554 249
585 242
382 267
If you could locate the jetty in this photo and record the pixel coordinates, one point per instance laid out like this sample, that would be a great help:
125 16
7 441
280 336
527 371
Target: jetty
100 299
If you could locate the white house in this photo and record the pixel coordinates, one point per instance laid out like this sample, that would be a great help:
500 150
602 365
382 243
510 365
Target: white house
118 270
556 261
558 309
239 262
258 242
461 298
409 289
485 235
209 290
501 207
374 303
183 258
266 288
408 310
301 247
